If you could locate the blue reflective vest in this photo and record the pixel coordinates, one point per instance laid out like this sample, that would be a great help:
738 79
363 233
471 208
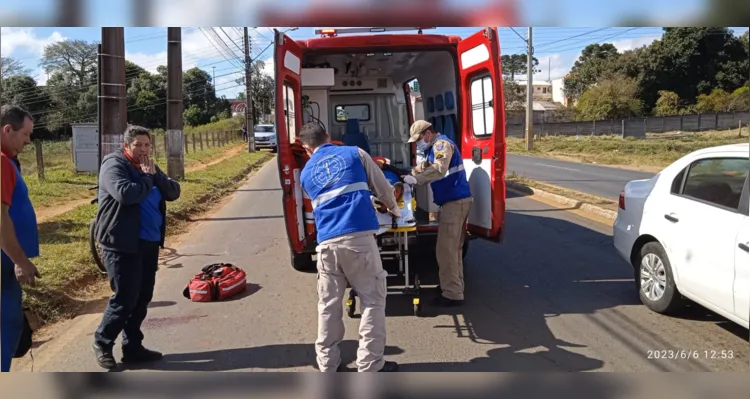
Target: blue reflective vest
24 220
336 182
454 185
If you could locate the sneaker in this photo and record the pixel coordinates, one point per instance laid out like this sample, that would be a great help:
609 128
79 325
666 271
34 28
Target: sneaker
140 355
104 357
389 367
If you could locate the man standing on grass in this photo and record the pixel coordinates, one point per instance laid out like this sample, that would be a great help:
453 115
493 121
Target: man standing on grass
130 228
20 237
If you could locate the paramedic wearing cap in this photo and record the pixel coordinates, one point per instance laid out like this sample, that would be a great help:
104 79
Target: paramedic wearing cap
444 170
338 180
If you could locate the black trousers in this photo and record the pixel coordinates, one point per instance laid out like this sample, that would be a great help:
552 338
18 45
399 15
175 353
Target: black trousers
132 278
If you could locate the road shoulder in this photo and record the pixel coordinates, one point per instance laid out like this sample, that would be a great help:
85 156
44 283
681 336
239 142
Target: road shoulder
592 207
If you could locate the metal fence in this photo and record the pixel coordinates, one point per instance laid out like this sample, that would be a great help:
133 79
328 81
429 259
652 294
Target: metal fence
632 127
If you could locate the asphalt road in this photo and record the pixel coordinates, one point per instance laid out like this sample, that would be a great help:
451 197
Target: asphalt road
601 181
553 297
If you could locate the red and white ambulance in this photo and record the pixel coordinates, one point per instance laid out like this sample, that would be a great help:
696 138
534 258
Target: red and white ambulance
350 80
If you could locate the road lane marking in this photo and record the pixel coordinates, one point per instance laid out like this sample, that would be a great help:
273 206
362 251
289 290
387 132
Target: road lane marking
557 167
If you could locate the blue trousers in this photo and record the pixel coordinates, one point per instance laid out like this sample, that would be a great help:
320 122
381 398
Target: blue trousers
132 278
11 315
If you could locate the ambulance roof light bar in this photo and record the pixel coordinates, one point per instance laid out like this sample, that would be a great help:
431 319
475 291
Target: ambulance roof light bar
335 32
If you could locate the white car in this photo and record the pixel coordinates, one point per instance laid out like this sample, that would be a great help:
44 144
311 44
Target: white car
686 231
265 137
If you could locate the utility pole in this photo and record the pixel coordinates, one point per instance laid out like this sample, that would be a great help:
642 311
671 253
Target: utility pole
175 149
113 106
248 96
529 94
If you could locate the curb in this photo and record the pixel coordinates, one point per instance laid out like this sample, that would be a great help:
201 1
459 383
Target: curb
582 205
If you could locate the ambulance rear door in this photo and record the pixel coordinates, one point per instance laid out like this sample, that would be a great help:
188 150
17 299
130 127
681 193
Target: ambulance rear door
483 131
288 64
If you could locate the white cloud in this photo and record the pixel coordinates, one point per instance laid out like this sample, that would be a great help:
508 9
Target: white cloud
552 67
148 62
631 44
23 42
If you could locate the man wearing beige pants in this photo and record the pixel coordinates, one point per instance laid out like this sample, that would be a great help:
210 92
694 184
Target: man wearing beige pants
338 180
444 170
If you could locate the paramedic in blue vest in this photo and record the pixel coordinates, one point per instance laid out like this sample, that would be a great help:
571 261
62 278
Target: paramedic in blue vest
443 169
338 180
130 228
20 237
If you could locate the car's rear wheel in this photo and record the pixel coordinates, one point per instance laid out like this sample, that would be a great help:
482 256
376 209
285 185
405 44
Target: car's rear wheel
655 280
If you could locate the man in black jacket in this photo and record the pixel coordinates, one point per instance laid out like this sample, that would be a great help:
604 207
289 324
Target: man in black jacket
130 228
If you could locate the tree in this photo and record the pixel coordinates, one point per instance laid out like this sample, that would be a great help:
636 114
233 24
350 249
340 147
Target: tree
612 98
13 67
514 96
739 100
667 104
516 64
77 58
717 101
595 62
262 87
22 90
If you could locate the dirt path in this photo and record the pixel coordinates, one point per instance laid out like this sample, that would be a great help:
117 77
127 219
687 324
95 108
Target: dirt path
49 212
230 153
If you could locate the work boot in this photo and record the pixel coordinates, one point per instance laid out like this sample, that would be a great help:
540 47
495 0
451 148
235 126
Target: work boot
389 367
104 357
140 355
444 302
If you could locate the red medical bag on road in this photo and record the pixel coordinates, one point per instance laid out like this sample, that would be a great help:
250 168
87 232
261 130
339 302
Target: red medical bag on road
216 282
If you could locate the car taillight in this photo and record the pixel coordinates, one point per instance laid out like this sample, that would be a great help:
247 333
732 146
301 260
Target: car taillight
622 201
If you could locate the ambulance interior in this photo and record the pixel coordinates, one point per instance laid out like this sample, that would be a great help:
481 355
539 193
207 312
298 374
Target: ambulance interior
366 97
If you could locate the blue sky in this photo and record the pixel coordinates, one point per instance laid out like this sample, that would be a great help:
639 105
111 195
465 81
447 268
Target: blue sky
556 48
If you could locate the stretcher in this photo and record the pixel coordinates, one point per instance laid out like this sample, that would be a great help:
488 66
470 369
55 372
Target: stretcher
393 243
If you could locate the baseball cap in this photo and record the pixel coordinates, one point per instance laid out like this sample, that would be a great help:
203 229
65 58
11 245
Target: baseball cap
417 128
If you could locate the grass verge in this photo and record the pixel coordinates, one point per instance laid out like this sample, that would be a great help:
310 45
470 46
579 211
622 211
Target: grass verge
65 262
653 153
62 184
567 193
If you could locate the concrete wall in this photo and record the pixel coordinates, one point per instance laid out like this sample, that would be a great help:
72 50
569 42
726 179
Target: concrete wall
633 127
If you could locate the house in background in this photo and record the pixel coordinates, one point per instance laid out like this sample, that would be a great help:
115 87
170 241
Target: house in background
542 90
558 92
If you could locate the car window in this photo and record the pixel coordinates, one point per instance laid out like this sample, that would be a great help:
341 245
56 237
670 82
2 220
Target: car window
264 129
717 181
677 182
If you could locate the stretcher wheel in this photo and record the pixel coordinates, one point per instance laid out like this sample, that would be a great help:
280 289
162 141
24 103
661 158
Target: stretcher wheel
417 307
351 305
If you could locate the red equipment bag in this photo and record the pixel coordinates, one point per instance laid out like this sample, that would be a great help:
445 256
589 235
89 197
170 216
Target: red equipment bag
216 282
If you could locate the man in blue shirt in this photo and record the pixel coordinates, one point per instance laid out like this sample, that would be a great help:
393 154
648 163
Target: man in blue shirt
444 171
130 228
20 237
338 180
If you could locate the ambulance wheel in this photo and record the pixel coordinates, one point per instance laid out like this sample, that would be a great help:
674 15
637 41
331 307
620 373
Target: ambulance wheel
303 263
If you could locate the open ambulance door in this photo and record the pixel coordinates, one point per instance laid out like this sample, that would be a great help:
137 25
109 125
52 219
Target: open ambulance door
288 63
483 131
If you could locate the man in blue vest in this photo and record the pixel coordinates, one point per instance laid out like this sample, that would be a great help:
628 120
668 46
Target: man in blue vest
444 171
20 237
338 180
